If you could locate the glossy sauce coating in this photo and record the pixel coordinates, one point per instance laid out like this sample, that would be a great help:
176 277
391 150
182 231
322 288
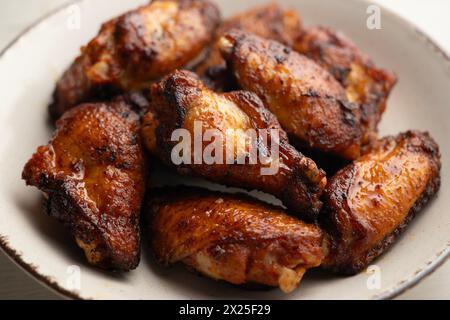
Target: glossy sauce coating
232 237
369 202
92 172
365 83
135 49
181 99
309 103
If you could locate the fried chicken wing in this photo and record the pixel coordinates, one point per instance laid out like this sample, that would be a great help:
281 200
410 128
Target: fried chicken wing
182 101
233 238
268 21
365 84
370 202
92 174
309 103
137 48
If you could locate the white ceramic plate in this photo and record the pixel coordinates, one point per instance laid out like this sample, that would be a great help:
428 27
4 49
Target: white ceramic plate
32 64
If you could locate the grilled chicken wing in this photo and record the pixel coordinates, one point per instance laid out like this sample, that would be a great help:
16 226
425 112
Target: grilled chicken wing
233 238
92 174
268 21
182 101
370 202
365 84
137 48
309 103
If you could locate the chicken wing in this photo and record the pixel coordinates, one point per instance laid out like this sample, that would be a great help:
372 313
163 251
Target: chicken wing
365 84
92 174
135 49
182 101
370 202
233 238
268 21
309 103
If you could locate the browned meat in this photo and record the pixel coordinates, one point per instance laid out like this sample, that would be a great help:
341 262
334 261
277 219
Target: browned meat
135 49
370 202
309 103
268 21
92 174
365 84
232 238
181 100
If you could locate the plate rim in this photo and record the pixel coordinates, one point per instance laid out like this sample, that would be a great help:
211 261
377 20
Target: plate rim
401 287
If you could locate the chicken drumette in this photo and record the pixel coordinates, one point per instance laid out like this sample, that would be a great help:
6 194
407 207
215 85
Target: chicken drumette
135 49
309 103
92 174
182 101
370 202
232 237
365 84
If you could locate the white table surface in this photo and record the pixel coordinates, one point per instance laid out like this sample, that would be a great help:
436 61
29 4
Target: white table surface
429 15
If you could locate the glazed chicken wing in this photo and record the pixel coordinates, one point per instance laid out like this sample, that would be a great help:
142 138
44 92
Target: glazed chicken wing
309 103
268 21
233 238
365 84
137 48
92 175
370 202
182 101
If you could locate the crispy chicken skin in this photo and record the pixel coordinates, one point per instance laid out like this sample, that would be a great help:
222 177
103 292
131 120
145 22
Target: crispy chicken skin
268 21
181 99
232 237
92 174
370 202
135 49
309 103
365 84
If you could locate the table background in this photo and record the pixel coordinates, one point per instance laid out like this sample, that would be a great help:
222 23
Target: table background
429 15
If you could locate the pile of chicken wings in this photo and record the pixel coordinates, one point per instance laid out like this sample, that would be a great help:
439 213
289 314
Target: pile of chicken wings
347 194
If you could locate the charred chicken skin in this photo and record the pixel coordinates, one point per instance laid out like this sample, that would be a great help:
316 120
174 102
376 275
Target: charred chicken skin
365 84
268 21
309 103
232 238
92 174
370 202
181 100
135 49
